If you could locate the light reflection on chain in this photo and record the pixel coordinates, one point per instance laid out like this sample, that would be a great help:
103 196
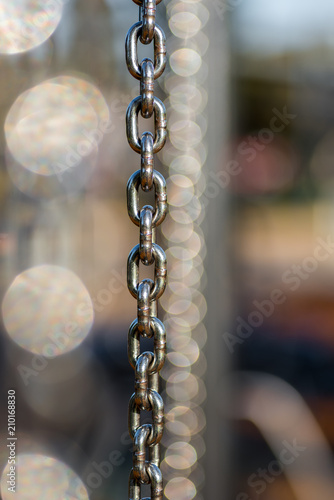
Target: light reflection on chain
184 302
147 365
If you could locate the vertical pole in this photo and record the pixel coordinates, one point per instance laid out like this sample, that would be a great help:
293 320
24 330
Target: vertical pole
218 454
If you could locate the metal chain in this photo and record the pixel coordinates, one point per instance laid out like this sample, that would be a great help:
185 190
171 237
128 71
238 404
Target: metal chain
146 437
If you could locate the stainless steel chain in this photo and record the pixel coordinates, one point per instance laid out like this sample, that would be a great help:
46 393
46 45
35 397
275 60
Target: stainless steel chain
146 437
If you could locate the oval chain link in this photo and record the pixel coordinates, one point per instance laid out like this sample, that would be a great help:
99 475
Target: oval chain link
132 55
146 235
155 480
146 365
144 308
132 124
159 335
147 161
160 272
148 11
147 88
160 198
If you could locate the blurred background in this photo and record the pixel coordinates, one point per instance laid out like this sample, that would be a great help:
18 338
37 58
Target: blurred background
248 383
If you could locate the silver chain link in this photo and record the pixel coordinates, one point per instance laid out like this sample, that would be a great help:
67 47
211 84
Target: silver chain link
146 437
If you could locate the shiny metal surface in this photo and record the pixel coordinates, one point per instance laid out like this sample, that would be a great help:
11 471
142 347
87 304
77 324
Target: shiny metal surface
148 10
147 161
159 334
132 55
160 211
155 480
132 124
141 380
146 437
140 2
147 88
146 235
139 454
160 272
144 308
157 407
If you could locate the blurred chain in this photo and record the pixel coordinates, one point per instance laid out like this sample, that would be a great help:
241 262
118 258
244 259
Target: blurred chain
146 437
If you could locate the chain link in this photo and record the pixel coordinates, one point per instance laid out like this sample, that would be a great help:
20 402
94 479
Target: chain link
146 365
147 161
160 211
132 55
148 11
147 88
146 235
132 124
159 335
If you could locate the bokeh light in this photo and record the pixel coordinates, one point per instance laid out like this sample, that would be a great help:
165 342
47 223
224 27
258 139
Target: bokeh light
25 24
180 190
184 421
72 117
184 24
185 133
183 301
185 352
48 187
181 455
187 165
185 62
182 386
40 476
47 310
180 488
185 95
176 234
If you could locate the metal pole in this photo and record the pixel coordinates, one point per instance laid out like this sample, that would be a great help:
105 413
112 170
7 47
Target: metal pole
218 455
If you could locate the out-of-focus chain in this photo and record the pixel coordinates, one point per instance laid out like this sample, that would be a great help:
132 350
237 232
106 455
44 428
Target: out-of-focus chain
146 437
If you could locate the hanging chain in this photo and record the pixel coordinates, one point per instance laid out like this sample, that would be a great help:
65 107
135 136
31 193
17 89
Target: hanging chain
146 437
